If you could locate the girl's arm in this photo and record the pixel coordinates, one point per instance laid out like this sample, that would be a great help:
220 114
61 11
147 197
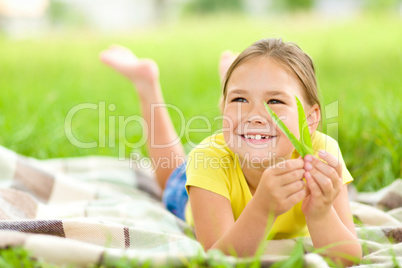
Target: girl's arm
328 215
279 189
215 226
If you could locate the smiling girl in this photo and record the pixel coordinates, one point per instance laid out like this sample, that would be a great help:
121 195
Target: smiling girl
248 183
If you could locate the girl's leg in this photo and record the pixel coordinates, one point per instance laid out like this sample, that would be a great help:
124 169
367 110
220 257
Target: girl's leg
164 146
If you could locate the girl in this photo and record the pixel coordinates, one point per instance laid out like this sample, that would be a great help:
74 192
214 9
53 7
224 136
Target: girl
246 184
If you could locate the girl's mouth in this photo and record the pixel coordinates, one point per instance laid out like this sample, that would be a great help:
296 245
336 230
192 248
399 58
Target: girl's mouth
257 138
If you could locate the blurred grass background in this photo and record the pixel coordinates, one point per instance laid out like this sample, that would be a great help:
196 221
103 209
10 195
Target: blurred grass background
358 61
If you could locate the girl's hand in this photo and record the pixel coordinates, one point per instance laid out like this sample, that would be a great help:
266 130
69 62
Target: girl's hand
281 187
324 181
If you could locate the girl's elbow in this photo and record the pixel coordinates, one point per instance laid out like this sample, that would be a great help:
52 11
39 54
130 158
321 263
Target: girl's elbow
358 254
351 257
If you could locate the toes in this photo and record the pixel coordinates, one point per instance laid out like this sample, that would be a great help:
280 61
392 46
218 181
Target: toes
226 54
118 56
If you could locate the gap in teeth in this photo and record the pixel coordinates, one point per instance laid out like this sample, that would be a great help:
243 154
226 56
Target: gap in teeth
256 137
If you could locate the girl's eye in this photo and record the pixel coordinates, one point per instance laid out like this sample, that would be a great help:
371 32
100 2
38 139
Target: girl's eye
274 102
239 100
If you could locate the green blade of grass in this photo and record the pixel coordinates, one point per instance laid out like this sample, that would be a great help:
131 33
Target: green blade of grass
305 139
296 143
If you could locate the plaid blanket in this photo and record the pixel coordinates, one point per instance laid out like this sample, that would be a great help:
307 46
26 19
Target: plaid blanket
99 210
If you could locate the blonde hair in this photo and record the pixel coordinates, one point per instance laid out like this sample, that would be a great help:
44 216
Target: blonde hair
290 56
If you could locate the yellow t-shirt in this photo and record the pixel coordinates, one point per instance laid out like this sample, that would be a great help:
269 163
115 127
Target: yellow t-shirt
214 167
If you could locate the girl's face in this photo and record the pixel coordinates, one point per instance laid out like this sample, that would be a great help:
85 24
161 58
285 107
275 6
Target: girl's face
248 129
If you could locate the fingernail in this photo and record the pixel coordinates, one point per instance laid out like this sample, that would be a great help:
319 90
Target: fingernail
322 152
307 175
308 166
308 158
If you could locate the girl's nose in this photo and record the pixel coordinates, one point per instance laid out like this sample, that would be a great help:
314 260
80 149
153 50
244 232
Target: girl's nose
258 115
257 119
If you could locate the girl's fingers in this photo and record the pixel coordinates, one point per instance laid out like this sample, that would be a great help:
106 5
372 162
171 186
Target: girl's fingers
307 188
294 187
296 197
312 186
322 181
331 161
289 165
292 176
325 169
290 171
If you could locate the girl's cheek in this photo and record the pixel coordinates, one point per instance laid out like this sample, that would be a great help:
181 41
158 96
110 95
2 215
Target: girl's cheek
230 139
232 113
290 119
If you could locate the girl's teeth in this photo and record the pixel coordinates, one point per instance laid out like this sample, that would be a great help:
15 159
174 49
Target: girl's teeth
256 137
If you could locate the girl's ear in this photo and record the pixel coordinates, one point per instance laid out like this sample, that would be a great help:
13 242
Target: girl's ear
313 118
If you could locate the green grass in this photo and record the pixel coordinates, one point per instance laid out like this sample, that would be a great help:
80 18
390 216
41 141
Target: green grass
19 257
358 65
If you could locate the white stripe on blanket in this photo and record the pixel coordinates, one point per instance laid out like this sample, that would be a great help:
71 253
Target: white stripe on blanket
97 210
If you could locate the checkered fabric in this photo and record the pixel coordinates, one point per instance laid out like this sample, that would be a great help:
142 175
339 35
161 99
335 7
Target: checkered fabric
97 210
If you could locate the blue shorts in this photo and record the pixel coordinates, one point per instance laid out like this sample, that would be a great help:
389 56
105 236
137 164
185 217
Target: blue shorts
175 195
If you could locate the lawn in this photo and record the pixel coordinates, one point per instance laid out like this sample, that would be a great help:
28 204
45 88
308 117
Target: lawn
45 80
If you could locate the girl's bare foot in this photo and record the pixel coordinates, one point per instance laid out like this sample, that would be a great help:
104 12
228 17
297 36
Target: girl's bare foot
162 140
227 57
144 73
